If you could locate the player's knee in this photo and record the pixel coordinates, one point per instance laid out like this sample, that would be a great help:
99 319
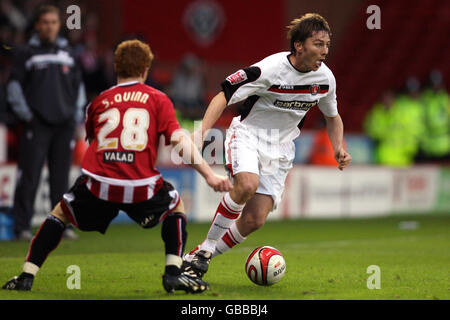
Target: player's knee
58 213
246 188
180 207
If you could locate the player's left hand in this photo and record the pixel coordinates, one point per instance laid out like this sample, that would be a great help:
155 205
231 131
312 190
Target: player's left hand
343 159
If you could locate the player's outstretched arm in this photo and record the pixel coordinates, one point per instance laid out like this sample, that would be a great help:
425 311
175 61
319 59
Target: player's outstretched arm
213 113
190 155
335 128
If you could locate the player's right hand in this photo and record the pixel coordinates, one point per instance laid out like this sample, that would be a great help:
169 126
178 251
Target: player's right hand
343 158
219 183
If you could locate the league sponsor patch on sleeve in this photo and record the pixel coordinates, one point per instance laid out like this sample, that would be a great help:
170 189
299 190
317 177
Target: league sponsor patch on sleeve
237 77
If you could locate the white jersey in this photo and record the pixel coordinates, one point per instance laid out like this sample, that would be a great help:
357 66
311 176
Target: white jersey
275 96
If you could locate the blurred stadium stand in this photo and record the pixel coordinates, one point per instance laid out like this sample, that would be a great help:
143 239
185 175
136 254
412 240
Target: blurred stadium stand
410 43
228 35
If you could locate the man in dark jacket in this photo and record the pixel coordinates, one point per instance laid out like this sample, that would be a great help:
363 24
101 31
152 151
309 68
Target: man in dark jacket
46 93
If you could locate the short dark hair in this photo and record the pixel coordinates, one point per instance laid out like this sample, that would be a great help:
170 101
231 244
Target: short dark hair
302 28
131 58
44 9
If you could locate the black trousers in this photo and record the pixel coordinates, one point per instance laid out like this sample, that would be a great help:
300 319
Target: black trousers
40 141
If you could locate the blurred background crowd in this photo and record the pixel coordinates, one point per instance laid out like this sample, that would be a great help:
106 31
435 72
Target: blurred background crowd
413 125
392 83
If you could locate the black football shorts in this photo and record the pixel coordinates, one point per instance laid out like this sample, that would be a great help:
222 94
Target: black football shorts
89 213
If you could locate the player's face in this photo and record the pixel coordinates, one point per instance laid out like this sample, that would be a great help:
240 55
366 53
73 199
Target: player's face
48 26
314 50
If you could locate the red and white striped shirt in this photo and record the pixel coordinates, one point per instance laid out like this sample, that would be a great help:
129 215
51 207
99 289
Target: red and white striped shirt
125 123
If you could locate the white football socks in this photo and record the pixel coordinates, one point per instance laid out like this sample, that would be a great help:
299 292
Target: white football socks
31 268
231 238
227 213
173 260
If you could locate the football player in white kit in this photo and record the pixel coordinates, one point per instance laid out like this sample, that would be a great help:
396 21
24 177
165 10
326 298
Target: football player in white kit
275 94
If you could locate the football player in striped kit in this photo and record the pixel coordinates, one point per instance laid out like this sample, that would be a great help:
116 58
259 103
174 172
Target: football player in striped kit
275 94
123 126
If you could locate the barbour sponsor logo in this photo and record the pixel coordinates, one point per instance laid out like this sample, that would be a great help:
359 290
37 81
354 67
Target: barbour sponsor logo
295 105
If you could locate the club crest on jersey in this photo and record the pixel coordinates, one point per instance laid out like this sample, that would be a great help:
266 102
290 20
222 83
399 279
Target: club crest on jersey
314 89
237 77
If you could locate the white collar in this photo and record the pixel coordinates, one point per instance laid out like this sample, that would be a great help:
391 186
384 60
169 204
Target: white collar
126 83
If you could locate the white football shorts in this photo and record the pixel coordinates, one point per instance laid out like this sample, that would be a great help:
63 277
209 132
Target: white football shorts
257 151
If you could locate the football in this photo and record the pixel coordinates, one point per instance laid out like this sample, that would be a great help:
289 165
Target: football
265 266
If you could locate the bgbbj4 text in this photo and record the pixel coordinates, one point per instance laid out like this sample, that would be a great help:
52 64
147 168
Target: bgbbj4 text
231 309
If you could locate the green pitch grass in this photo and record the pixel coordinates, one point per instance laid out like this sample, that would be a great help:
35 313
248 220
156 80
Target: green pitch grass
325 260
